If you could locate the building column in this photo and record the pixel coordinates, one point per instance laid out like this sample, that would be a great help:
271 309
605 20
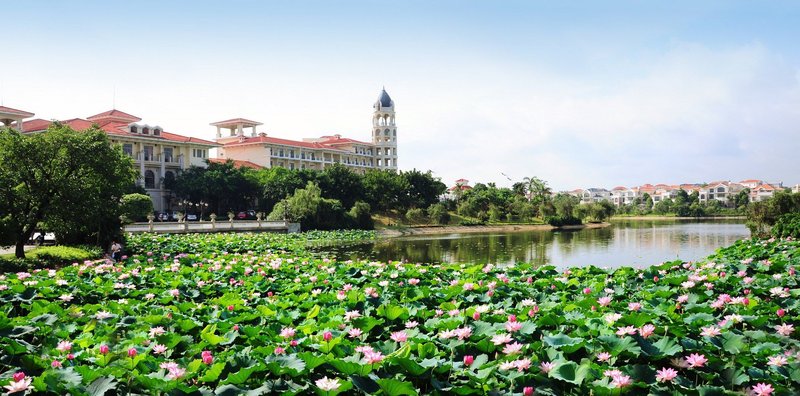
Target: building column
141 166
163 170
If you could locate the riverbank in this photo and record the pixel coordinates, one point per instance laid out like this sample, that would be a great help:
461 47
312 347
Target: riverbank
432 230
678 218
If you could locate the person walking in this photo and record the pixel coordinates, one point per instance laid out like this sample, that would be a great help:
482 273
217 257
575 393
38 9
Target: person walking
116 251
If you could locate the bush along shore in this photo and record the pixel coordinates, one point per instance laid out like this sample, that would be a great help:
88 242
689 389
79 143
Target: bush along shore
184 316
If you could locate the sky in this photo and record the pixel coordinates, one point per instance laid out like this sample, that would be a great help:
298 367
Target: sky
580 94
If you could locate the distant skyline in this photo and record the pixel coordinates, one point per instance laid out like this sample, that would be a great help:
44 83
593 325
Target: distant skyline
580 94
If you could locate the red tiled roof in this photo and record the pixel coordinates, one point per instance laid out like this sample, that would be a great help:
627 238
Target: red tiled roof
333 140
237 163
619 188
112 127
186 139
284 142
23 113
35 125
750 181
114 114
765 187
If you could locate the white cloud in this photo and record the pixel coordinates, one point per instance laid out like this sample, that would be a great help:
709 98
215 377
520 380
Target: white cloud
689 114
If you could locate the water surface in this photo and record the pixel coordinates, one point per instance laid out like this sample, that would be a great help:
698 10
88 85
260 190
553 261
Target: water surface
624 243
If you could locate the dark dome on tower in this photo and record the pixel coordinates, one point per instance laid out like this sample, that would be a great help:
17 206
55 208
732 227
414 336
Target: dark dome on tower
385 100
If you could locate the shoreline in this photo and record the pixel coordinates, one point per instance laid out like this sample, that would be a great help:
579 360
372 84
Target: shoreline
615 218
434 230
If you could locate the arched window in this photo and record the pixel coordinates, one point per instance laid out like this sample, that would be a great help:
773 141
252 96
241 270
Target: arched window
149 179
386 132
721 189
134 129
156 132
145 131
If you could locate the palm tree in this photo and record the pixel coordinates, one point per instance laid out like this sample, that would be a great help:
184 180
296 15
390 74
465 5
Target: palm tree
536 187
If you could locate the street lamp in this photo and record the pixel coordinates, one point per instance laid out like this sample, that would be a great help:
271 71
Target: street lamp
202 205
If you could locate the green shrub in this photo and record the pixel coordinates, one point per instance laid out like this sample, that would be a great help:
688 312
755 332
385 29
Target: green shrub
438 214
471 222
360 216
788 225
560 221
136 207
50 257
415 215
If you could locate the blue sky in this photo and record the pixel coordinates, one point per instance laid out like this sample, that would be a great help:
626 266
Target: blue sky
581 94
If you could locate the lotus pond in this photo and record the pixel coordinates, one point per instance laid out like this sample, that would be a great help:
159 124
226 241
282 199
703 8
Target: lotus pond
257 314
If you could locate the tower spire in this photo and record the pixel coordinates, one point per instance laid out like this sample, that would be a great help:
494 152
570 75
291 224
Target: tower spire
384 131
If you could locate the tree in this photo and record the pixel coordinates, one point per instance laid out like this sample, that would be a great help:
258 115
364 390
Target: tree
312 211
423 189
383 189
536 189
223 186
71 181
278 183
438 214
565 204
339 182
136 207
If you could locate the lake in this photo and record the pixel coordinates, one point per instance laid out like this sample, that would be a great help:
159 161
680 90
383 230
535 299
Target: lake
624 243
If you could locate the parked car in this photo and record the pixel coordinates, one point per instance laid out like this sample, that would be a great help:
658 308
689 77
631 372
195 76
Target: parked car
246 215
163 216
191 217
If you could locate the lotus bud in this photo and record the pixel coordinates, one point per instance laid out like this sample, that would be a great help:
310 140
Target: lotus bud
468 360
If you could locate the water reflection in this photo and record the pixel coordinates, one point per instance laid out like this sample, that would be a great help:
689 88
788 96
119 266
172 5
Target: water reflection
628 242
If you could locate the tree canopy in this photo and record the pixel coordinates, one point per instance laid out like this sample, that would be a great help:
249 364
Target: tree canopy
67 181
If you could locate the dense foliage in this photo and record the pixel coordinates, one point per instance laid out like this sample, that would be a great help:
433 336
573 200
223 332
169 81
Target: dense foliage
67 182
136 207
336 191
235 313
49 257
764 214
687 204
788 225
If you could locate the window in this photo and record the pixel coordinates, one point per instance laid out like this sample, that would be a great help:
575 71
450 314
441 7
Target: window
291 166
721 189
127 148
134 129
156 132
291 153
280 153
148 153
145 131
149 179
168 154
386 132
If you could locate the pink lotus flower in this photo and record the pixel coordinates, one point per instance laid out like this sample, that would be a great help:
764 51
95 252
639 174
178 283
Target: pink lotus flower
604 301
603 356
399 336
468 360
476 315
279 351
666 374
463 332
587 291
762 389
647 330
513 348
784 329
780 312
159 349
500 339
777 361
627 330
327 336
527 391
621 381
354 333
55 364
64 346
634 306
104 349
413 281
207 357
513 327
19 385
287 332
132 352
18 376
711 331
372 357
696 360
683 298
546 366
